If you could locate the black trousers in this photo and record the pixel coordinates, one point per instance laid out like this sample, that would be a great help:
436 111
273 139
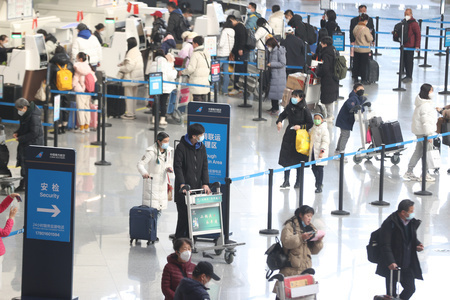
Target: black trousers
199 98
360 64
240 68
162 105
182 222
317 171
275 105
408 62
407 282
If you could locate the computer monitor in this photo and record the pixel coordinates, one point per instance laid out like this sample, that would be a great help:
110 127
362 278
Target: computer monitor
141 33
42 51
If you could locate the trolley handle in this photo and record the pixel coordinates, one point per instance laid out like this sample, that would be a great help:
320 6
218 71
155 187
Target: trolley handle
279 277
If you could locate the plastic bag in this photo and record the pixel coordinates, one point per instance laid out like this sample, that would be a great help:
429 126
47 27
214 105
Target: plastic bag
302 141
433 159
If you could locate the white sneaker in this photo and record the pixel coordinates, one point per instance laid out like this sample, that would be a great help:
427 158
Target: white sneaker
410 176
79 131
428 178
234 92
87 130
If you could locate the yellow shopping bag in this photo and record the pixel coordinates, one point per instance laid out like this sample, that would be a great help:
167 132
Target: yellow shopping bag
302 141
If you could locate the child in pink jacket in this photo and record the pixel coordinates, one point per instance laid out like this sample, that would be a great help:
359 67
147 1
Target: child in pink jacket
4 232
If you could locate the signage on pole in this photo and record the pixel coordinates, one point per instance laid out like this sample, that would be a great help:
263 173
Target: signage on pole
447 37
206 219
339 41
215 71
325 4
155 84
49 223
56 108
261 62
211 45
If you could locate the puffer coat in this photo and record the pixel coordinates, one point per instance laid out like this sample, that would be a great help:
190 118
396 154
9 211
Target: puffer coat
155 190
319 140
299 251
132 67
172 275
82 69
424 117
329 88
198 71
278 73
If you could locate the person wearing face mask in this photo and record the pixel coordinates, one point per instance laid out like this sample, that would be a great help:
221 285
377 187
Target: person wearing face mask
156 168
414 37
346 117
277 65
252 17
364 38
298 116
263 33
99 29
329 22
191 168
4 48
362 9
296 22
399 246
297 239
423 124
86 42
178 266
319 145
195 288
295 50
187 18
30 132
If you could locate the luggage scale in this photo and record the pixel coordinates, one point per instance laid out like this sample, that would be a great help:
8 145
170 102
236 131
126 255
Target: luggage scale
205 218
364 123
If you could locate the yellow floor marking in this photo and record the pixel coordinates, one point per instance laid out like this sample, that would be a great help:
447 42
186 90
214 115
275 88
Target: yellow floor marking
248 126
91 146
125 137
141 108
10 140
86 174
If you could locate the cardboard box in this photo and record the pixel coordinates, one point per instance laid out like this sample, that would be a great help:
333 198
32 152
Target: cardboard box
295 286
296 81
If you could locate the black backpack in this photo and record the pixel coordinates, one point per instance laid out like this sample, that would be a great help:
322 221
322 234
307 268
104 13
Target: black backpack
276 258
397 33
373 248
250 40
311 35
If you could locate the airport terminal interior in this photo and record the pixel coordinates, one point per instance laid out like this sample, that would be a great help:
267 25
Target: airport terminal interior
107 267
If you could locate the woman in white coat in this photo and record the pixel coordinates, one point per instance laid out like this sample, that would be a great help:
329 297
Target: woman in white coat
224 47
320 143
155 166
263 32
132 68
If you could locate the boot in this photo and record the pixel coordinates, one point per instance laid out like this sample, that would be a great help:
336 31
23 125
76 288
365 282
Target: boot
318 189
62 129
163 121
285 184
297 181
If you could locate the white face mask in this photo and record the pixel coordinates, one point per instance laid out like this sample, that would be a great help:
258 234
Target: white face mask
431 96
407 18
189 19
21 112
185 256
270 49
6 45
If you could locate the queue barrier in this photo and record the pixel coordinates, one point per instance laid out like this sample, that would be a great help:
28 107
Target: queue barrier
18 122
16 232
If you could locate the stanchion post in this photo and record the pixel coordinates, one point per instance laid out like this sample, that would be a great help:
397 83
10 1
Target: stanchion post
260 118
446 91
425 61
418 52
226 217
380 201
245 104
308 17
400 69
215 92
55 128
341 211
156 127
440 39
424 192
302 181
103 161
98 142
269 229
377 26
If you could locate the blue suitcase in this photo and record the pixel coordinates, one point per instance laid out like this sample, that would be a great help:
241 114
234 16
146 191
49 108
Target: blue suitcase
72 123
143 224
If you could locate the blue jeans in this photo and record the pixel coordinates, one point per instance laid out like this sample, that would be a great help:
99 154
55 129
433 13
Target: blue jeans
226 77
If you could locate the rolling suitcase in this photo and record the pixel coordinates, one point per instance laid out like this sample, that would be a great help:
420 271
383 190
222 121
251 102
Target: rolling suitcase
115 107
94 117
445 127
143 224
375 130
390 297
72 123
372 71
11 93
391 133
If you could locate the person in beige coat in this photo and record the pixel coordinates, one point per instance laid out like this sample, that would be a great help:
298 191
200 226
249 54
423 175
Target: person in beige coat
199 70
276 21
295 238
132 68
319 145
363 37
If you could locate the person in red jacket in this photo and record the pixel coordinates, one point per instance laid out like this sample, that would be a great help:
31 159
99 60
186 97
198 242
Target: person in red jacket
413 41
4 232
178 267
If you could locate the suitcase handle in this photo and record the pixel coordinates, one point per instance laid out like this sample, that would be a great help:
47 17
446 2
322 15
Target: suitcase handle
392 281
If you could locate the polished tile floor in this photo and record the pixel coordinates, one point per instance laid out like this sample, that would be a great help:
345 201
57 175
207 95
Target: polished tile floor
106 267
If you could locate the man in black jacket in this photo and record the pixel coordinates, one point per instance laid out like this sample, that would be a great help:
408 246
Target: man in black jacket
239 50
195 288
362 9
399 247
296 22
191 168
295 51
175 21
30 132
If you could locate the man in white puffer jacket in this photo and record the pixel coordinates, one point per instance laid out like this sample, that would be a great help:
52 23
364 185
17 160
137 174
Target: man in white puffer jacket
276 21
423 124
87 43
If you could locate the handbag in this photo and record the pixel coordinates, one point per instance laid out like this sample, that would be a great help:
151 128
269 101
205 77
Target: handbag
276 257
433 159
40 94
302 141
169 189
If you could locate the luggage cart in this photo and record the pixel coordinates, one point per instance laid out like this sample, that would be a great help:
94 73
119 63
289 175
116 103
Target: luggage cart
7 184
205 218
393 154
312 89
293 287
178 100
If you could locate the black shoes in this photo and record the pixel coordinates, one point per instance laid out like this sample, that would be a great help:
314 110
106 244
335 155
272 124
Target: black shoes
318 189
297 185
285 185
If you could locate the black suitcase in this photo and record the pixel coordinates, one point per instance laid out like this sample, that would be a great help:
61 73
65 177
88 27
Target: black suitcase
375 130
445 127
391 289
143 223
391 133
115 107
11 92
372 71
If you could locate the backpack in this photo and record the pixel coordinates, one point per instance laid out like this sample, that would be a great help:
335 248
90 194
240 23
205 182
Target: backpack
276 258
63 79
250 40
89 82
373 248
397 33
311 35
340 66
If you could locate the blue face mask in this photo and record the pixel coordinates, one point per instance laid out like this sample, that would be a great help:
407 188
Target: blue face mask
294 100
411 216
165 146
248 10
201 139
303 223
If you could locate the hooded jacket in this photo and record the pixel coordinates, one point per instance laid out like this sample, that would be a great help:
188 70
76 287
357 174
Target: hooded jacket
191 289
168 43
276 21
319 141
345 118
261 36
87 43
155 164
331 26
329 84
226 42
50 44
198 71
174 25
158 31
300 29
240 36
424 117
4 232
277 61
79 78
172 275
250 22
132 66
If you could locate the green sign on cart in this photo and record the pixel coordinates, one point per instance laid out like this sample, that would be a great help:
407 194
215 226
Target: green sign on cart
206 219
208 199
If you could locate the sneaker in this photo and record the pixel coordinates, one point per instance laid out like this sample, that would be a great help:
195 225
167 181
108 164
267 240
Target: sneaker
87 130
428 178
79 131
285 185
274 112
410 176
233 92
318 190
128 117
407 80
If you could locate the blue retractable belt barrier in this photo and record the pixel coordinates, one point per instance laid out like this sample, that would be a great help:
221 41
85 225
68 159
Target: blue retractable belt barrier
128 97
16 232
72 93
242 74
18 122
436 28
190 84
51 107
383 32
434 36
294 67
232 62
108 79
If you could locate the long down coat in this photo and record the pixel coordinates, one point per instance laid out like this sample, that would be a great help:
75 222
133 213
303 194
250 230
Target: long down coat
329 88
155 190
278 73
